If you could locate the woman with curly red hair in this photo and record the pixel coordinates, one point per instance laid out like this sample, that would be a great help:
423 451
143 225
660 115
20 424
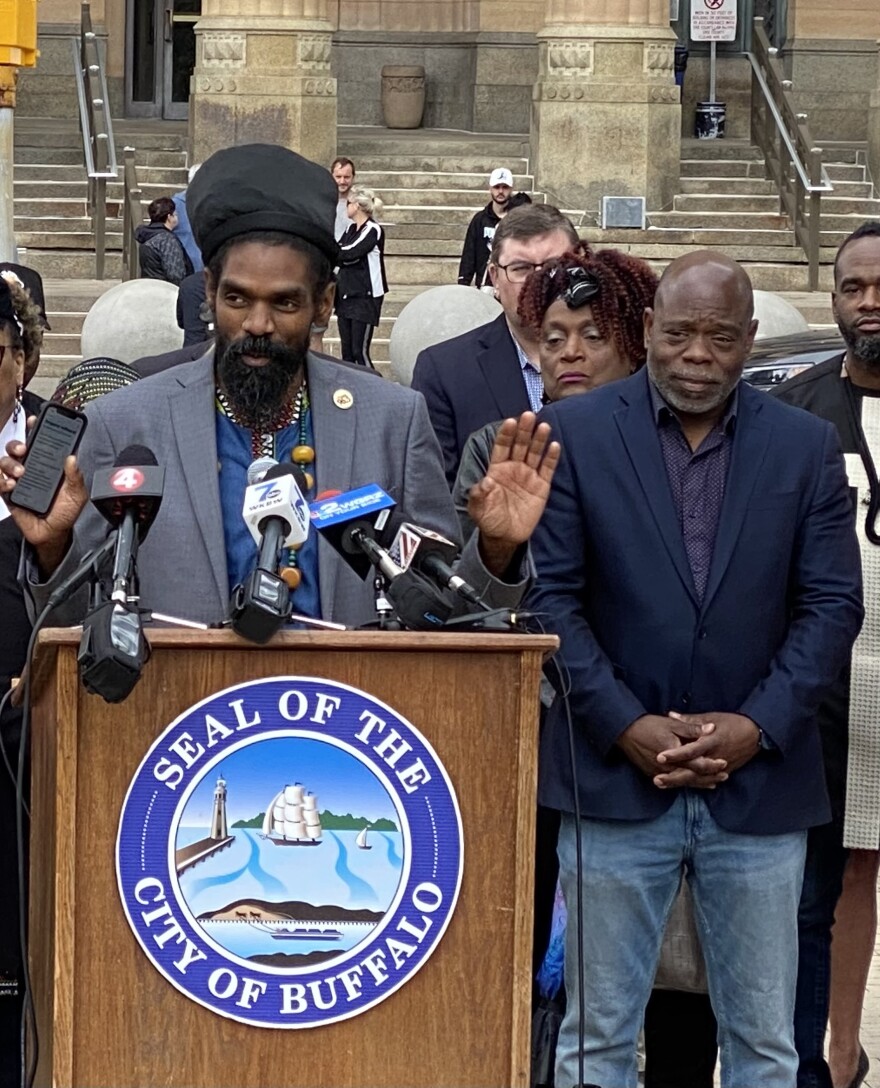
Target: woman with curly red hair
587 308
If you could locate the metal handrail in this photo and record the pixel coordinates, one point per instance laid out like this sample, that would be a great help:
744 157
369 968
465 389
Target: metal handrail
132 217
96 126
790 158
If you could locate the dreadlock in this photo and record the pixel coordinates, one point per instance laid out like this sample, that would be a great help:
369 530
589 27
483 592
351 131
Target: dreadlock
627 287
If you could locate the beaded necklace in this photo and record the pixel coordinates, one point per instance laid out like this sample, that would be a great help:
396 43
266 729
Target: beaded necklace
263 438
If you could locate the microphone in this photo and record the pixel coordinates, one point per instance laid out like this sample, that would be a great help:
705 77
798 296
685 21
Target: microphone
258 469
112 650
432 555
278 517
338 515
351 522
129 496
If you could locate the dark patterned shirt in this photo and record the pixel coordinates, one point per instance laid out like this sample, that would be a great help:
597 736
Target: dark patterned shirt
697 480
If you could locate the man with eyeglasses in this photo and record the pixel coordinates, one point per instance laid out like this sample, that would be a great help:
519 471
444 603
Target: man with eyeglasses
493 371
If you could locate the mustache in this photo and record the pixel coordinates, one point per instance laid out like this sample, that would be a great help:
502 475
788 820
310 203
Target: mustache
261 346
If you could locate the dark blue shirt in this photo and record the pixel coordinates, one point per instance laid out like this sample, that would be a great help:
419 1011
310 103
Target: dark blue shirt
696 479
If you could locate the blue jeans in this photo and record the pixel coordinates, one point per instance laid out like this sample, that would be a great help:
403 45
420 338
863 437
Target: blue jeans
746 890
823 881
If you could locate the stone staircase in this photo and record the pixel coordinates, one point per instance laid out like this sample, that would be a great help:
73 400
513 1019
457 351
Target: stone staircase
431 182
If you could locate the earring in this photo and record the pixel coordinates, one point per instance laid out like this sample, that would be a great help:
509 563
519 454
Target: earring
16 411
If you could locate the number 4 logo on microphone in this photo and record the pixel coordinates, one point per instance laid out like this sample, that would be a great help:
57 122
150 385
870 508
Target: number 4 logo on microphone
127 479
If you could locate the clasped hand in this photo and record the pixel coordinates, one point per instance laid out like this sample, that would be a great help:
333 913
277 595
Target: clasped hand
698 750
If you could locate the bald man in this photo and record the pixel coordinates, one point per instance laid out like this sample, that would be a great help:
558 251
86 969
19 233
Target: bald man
698 560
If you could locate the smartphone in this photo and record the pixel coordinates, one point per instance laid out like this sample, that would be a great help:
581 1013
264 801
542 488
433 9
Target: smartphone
52 439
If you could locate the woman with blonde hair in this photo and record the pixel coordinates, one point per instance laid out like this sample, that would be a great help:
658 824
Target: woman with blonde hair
360 283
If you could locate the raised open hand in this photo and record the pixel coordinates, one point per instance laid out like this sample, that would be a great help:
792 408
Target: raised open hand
508 502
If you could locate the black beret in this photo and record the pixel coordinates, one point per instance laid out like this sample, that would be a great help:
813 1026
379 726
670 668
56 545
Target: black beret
258 187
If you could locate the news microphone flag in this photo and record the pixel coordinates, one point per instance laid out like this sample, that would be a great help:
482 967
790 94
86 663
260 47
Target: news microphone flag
337 516
277 496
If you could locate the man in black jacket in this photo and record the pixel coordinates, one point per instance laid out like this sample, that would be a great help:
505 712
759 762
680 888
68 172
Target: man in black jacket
846 392
161 255
481 229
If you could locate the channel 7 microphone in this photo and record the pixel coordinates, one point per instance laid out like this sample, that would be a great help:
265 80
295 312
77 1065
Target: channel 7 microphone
278 517
113 650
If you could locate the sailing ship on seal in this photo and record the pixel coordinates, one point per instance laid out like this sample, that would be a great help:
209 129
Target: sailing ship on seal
292 818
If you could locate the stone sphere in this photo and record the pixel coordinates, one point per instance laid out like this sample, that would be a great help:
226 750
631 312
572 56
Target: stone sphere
131 320
776 316
437 314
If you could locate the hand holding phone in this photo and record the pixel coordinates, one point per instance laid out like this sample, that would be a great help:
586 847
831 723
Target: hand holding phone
41 484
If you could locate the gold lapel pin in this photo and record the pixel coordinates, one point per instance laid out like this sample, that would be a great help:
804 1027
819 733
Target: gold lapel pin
343 399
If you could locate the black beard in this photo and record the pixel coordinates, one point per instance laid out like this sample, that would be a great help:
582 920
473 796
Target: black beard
257 395
865 349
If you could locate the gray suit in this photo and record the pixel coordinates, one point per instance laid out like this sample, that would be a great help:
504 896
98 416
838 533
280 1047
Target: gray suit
385 437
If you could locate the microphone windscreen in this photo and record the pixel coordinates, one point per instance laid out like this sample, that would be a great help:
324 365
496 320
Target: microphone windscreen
258 469
136 455
287 469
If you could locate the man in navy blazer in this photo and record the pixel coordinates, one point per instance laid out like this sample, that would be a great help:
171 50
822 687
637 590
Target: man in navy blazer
493 371
697 558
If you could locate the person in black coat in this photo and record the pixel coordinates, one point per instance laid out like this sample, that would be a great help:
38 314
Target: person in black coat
21 334
360 282
161 255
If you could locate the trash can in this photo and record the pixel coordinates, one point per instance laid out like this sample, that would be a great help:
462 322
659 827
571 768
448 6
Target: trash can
403 95
709 120
680 64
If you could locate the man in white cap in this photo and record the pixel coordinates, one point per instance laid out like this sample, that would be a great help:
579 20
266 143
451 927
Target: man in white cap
481 229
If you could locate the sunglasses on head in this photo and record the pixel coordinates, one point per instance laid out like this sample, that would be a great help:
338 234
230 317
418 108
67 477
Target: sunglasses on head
582 287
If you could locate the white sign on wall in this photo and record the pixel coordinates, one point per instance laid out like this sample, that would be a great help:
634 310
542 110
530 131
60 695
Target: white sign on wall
713 20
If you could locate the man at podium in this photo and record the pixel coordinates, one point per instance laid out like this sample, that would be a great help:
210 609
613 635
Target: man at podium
263 217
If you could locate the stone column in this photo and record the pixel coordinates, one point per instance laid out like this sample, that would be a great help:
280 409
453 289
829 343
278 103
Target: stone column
262 75
606 117
830 56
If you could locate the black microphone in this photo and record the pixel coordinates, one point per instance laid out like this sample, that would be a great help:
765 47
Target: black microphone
112 649
278 516
129 496
432 555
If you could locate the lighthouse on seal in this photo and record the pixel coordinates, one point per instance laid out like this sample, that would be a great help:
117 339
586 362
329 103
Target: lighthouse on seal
218 820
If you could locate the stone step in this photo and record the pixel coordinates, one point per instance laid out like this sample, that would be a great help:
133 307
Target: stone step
49 207
427 214
68 322
477 163
65 156
70 239
392 178
839 171
728 150
49 189
56 133
814 305
60 343
429 271
717 220
422 247
52 173
662 236
72 264
729 186
832 205
431 231
722 168
358 142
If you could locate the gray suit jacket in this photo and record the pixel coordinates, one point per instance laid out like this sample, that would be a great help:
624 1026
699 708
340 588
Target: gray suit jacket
385 437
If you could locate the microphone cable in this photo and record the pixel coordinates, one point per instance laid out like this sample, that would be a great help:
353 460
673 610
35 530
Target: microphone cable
563 693
28 1014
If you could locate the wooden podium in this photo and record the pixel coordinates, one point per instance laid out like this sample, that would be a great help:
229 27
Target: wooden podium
105 1014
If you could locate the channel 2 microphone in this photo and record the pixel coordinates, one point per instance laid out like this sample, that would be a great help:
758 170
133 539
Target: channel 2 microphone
113 650
277 516
432 555
351 522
